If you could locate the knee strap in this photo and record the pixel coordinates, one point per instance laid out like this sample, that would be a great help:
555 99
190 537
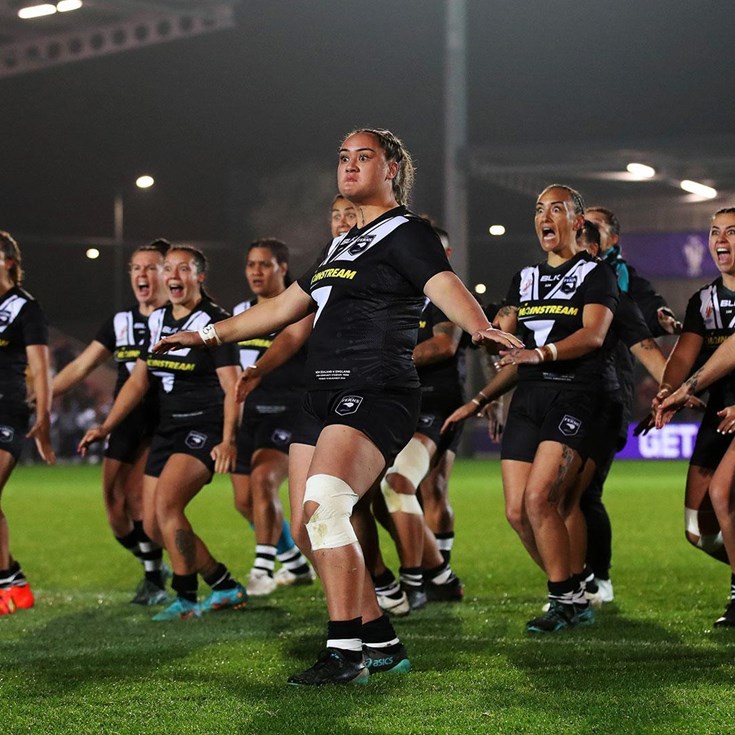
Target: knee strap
413 464
329 527
710 543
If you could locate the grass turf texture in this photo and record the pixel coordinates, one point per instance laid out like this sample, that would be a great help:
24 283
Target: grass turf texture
86 661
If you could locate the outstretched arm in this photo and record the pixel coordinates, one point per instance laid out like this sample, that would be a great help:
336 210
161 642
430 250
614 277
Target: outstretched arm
263 318
285 345
38 362
450 295
93 355
128 398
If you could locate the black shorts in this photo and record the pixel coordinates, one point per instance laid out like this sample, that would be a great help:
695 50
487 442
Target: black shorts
387 417
433 414
133 432
196 442
540 413
13 430
710 447
263 431
605 434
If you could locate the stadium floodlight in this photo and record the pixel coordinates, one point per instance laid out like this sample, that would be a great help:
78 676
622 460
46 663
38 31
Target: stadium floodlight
480 288
496 230
64 6
92 253
641 170
145 181
36 11
701 190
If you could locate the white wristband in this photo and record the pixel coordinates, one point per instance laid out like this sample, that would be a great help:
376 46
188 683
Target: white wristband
553 350
209 336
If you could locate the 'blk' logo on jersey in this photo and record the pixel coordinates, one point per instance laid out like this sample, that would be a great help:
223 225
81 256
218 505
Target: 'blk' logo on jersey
348 405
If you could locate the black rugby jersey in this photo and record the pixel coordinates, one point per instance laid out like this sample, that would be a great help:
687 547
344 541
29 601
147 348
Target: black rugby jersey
124 334
628 328
711 314
186 379
550 303
442 377
368 287
281 389
22 323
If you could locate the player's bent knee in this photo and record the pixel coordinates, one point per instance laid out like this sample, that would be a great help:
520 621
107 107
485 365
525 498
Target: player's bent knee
412 463
329 526
710 543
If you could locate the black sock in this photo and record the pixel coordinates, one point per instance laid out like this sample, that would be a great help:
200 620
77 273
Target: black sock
379 633
130 542
385 584
265 558
345 635
442 574
445 541
220 578
561 591
294 561
186 586
151 554
411 577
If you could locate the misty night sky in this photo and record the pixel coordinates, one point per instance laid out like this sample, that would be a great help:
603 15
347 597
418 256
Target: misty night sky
217 119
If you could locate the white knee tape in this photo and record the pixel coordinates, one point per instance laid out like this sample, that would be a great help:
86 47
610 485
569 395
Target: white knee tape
329 526
400 502
413 464
710 543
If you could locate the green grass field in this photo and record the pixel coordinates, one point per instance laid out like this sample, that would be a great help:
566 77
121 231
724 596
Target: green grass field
85 661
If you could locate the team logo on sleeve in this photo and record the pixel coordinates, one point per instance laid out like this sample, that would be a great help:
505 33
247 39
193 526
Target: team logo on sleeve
569 284
348 405
6 434
280 437
195 440
569 426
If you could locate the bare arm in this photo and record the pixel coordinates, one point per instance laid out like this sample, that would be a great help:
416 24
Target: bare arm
128 398
286 344
500 383
225 453
649 354
719 364
450 295
440 346
679 365
93 355
263 318
38 362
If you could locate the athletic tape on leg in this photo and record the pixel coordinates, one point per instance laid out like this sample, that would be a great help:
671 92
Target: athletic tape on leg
413 464
710 543
329 527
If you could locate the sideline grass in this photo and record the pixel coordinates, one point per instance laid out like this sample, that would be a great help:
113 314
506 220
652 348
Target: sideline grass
85 661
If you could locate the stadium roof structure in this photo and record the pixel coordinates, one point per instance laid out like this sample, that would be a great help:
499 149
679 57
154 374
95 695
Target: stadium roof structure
650 204
73 30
